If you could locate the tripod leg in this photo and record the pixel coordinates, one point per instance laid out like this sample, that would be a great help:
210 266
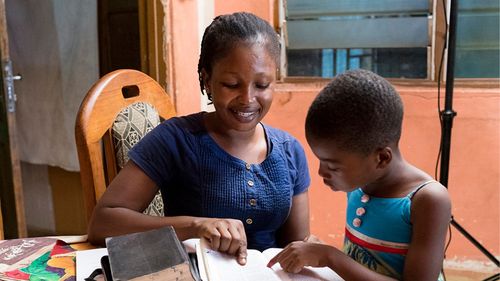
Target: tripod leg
493 278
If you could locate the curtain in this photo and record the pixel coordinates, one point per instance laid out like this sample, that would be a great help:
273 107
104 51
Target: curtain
53 45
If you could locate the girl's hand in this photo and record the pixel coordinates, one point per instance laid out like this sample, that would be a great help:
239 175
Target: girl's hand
224 235
299 254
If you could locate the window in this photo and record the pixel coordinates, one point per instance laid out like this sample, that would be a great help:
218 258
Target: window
394 38
477 45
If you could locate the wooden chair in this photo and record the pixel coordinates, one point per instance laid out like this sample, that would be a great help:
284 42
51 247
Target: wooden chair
114 94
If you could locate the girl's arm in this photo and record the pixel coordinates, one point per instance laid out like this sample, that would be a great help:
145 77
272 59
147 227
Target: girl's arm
299 254
430 216
119 211
296 227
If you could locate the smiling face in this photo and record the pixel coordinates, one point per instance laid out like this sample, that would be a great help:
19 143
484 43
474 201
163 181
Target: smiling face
342 170
242 84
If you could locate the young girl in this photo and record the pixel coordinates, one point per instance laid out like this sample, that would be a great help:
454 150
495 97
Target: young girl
223 175
397 215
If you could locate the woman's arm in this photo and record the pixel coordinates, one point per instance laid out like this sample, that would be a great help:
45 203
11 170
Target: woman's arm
119 211
296 227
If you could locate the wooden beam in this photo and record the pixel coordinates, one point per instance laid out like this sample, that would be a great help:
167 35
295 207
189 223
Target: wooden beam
153 47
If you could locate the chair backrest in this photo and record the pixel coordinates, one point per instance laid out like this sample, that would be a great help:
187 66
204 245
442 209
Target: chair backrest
110 95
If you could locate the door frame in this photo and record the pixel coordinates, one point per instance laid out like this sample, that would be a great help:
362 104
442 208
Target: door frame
12 216
155 55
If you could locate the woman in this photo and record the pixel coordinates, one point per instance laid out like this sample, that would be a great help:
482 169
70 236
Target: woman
223 175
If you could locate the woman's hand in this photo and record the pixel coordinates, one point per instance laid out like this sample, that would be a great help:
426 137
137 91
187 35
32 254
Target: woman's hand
313 239
224 235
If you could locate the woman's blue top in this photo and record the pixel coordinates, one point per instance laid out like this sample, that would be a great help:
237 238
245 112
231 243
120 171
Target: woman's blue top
198 178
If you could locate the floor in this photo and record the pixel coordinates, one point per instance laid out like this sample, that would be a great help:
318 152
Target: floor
462 275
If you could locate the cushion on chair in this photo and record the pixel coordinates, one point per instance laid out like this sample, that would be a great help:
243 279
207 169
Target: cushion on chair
130 126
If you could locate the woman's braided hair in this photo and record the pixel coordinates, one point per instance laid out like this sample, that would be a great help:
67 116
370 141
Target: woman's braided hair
227 31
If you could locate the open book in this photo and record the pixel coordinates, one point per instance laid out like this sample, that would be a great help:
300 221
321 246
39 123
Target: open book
216 266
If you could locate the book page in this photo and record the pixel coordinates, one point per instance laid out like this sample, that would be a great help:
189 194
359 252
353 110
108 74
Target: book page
221 267
71 239
307 274
190 244
87 261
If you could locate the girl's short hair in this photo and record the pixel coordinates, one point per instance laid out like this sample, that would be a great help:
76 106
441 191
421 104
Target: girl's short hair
358 110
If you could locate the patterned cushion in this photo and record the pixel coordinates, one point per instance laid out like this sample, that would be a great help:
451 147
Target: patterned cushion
131 124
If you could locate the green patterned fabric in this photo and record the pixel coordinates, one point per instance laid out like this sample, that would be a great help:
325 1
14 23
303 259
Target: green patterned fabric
130 126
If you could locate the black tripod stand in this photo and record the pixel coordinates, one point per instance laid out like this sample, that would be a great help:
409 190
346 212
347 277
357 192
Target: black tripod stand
447 116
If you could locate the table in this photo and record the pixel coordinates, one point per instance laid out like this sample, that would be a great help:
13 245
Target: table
54 258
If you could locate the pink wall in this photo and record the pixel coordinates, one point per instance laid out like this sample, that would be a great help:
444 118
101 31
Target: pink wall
183 39
261 8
